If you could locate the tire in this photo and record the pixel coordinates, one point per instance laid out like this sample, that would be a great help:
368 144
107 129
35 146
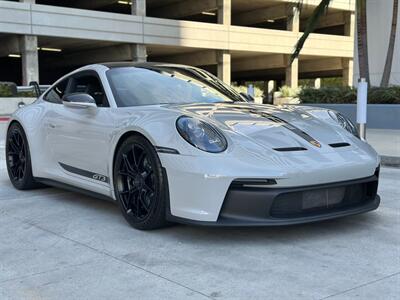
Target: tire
140 184
18 159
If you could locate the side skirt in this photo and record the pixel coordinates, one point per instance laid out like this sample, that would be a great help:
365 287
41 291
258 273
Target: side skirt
72 188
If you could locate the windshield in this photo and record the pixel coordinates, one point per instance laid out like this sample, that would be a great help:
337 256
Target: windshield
149 85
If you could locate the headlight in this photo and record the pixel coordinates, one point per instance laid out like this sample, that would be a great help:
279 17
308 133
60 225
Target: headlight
344 122
201 135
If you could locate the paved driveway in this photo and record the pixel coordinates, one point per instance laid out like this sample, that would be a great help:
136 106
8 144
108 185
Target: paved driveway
61 245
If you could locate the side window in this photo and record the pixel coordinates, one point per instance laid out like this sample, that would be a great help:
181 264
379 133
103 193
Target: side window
89 83
57 92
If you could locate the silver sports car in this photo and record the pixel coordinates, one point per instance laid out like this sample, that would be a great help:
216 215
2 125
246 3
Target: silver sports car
172 143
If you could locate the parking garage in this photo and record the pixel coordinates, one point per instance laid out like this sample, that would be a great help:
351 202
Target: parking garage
235 39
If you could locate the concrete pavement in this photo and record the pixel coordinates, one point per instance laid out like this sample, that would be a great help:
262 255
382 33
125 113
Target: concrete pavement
387 143
62 245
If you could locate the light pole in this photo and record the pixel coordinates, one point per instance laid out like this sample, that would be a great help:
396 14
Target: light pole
362 95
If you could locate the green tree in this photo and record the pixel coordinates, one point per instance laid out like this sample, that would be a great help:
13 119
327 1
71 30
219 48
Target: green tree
362 42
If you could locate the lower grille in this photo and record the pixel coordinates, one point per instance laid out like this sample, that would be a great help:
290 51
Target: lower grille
323 200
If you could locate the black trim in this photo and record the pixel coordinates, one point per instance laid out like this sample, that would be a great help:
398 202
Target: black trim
289 149
160 149
64 186
339 145
252 182
85 173
222 222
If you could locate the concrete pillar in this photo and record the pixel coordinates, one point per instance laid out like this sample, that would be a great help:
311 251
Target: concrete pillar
293 24
347 72
224 12
139 8
317 83
271 86
30 58
139 51
271 90
293 19
292 73
224 66
348 65
349 26
29 55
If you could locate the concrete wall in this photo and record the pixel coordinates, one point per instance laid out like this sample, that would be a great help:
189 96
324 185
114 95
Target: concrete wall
10 105
379 116
379 15
45 20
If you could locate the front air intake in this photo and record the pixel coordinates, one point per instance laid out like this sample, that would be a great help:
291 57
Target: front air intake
289 149
339 145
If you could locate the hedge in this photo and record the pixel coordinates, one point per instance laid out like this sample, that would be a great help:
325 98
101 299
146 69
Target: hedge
10 90
376 95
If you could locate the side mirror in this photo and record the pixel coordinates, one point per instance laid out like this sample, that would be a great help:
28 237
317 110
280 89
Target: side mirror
79 100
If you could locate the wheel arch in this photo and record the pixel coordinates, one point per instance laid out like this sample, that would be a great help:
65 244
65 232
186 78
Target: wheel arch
123 137
18 122
118 143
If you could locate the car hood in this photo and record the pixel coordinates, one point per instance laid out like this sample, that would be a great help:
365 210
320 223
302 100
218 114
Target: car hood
284 128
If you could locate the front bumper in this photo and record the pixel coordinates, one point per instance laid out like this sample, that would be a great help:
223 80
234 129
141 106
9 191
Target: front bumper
198 185
248 205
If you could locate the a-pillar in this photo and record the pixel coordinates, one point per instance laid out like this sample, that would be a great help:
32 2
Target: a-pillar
139 51
293 24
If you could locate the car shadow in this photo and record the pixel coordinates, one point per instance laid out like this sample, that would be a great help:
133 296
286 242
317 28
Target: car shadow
217 235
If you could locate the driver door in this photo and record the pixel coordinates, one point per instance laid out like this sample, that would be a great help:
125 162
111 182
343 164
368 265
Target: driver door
80 138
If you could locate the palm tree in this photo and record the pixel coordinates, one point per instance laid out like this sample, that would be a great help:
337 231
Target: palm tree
319 11
362 40
392 39
312 23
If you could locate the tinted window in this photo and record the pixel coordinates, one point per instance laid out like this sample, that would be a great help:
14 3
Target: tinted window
57 92
151 85
89 83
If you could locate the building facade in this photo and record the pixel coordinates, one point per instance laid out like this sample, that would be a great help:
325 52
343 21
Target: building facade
379 22
238 40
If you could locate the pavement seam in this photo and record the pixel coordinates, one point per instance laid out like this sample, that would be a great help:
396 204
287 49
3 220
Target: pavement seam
61 192
45 271
110 256
360 286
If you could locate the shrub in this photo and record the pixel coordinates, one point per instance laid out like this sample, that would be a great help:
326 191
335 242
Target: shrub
6 90
389 95
9 89
243 89
287 91
348 95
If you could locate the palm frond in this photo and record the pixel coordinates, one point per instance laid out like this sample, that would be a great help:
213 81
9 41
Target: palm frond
310 27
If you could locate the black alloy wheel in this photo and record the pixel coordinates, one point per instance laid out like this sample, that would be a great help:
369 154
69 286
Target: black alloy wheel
18 159
139 184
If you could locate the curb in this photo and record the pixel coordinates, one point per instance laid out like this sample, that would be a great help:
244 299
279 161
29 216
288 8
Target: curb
390 161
